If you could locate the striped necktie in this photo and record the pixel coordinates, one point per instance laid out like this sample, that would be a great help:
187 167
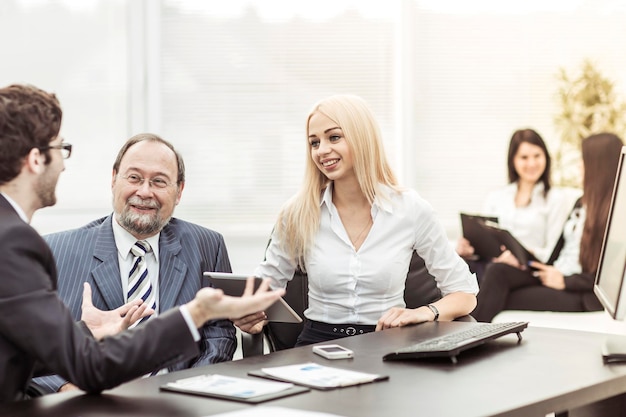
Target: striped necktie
139 286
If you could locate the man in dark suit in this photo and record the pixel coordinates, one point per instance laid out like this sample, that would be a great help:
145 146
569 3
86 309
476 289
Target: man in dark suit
37 332
147 183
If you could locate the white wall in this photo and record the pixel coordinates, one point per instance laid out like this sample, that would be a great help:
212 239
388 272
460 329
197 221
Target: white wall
485 69
460 77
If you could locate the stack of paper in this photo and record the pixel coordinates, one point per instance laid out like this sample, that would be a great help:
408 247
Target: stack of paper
318 376
227 387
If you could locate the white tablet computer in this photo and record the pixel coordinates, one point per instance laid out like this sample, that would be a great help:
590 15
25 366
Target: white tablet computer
234 284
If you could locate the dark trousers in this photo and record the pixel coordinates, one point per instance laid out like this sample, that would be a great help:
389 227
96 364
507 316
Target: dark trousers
314 332
478 267
507 288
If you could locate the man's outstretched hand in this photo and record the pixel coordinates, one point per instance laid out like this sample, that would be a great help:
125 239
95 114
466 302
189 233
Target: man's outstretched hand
211 303
107 323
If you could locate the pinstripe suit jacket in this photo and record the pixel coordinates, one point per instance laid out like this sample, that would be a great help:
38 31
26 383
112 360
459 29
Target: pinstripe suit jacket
38 333
88 254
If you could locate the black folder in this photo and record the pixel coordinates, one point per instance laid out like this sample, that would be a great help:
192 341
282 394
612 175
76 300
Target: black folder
487 238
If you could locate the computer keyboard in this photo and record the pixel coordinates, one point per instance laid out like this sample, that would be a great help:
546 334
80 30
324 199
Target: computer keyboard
450 345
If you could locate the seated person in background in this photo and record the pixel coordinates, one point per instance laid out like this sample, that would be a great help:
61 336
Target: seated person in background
147 183
38 335
528 207
353 229
567 285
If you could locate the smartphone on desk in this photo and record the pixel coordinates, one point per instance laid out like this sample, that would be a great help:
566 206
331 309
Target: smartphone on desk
333 351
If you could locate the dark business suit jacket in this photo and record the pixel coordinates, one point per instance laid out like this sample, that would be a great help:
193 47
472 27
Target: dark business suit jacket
38 333
89 254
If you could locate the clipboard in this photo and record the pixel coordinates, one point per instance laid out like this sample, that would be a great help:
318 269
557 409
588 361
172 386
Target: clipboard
506 238
486 238
485 245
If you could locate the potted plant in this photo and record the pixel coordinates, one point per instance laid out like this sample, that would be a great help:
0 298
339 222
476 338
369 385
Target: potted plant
589 105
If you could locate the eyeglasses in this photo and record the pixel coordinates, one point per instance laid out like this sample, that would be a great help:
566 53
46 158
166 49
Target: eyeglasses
157 182
66 149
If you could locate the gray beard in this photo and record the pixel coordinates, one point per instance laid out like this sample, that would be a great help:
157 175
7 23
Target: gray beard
141 224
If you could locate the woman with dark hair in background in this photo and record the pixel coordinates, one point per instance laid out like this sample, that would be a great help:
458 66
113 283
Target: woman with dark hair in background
568 284
528 207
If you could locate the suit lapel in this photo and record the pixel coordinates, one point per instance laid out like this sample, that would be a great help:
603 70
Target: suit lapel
172 270
106 274
4 203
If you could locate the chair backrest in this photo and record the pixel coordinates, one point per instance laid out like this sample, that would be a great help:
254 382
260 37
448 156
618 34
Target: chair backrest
284 335
420 289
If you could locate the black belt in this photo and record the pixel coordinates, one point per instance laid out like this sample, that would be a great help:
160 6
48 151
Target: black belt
343 329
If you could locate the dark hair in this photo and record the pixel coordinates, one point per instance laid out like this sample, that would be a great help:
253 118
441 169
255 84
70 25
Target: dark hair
532 137
600 157
152 138
29 118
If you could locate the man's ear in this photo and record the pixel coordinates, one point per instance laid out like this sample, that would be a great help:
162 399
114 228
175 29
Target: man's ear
179 193
35 161
113 178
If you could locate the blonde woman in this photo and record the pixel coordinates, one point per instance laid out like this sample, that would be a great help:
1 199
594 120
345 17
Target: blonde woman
353 229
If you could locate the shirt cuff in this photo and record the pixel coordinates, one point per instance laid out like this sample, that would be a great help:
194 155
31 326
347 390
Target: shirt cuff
192 327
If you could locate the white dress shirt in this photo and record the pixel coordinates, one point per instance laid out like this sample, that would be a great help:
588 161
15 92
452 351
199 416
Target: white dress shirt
349 286
568 262
124 241
538 225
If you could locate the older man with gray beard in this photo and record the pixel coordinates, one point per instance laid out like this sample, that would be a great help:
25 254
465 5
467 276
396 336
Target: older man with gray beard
141 251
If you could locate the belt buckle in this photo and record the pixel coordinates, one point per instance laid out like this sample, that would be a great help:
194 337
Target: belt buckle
350 331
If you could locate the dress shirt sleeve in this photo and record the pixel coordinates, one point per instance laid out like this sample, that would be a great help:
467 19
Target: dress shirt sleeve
192 326
277 264
492 203
442 261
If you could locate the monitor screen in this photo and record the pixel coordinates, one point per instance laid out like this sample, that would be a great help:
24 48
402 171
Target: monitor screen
610 284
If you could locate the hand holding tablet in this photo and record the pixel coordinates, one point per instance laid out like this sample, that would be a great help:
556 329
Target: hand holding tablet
234 284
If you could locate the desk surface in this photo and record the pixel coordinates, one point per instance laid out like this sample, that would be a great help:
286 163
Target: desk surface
550 370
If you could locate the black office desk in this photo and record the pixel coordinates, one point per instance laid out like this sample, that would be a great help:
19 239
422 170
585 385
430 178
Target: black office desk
551 370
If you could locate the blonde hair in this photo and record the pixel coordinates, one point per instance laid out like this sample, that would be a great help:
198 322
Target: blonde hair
299 220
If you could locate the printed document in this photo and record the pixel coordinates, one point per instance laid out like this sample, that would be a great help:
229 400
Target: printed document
227 386
318 376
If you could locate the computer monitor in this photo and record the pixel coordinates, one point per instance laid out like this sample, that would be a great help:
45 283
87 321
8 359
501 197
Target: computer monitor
610 284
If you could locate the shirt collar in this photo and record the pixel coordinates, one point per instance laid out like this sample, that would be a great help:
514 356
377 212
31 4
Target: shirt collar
538 188
383 204
383 199
16 207
327 197
124 240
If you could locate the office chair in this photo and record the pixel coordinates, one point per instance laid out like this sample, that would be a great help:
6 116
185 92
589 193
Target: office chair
420 289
